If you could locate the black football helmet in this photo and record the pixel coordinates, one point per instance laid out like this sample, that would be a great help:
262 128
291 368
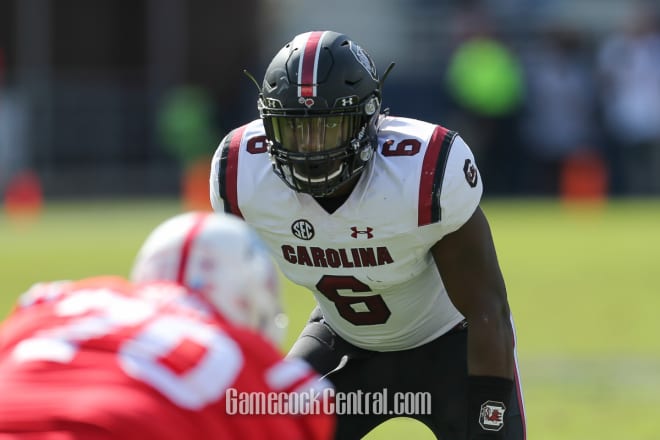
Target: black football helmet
320 102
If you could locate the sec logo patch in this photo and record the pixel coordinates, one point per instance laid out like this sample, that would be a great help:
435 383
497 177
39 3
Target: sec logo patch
302 229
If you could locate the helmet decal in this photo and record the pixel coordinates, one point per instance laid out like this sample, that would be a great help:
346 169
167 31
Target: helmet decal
308 102
308 67
364 59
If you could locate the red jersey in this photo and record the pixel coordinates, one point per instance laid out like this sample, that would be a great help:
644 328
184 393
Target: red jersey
102 358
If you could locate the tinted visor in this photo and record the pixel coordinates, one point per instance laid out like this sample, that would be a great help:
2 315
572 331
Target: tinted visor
314 134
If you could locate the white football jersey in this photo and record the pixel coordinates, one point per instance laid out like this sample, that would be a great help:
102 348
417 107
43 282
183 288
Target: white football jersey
368 263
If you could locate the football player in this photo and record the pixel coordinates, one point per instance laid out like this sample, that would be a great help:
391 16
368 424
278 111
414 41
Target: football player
378 216
158 357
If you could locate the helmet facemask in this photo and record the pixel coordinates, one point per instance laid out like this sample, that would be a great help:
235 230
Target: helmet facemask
316 153
320 104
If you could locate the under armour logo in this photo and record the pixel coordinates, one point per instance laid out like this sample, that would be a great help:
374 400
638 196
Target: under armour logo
366 232
272 102
345 102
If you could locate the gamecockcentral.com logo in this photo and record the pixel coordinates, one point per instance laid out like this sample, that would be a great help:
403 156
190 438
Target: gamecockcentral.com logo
327 401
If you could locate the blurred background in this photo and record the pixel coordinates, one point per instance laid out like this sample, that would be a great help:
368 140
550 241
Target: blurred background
117 98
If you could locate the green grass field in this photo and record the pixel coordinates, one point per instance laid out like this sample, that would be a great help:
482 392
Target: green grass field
581 284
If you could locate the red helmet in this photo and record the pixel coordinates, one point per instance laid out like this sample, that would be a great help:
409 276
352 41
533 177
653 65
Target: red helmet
221 257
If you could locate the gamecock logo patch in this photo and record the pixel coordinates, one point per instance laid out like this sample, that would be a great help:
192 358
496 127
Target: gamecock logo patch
471 174
491 417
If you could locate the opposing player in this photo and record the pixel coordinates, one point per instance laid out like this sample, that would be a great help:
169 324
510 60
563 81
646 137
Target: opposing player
379 217
159 357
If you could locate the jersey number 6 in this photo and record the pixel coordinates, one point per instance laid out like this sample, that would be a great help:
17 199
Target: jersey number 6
358 310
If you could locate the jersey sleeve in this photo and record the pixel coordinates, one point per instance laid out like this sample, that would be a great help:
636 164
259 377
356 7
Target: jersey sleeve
217 202
223 180
462 187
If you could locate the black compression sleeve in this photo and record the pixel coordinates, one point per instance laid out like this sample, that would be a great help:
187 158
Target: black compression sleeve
488 399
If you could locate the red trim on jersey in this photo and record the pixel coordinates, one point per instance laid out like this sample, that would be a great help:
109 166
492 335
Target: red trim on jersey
309 65
427 180
187 244
521 405
231 171
518 384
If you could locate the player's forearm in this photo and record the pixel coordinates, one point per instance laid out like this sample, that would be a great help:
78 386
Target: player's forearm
490 376
490 346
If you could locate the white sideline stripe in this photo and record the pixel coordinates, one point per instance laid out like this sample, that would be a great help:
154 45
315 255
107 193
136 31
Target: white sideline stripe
624 373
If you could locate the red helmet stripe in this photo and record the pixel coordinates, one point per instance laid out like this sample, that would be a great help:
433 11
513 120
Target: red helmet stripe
187 244
309 63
